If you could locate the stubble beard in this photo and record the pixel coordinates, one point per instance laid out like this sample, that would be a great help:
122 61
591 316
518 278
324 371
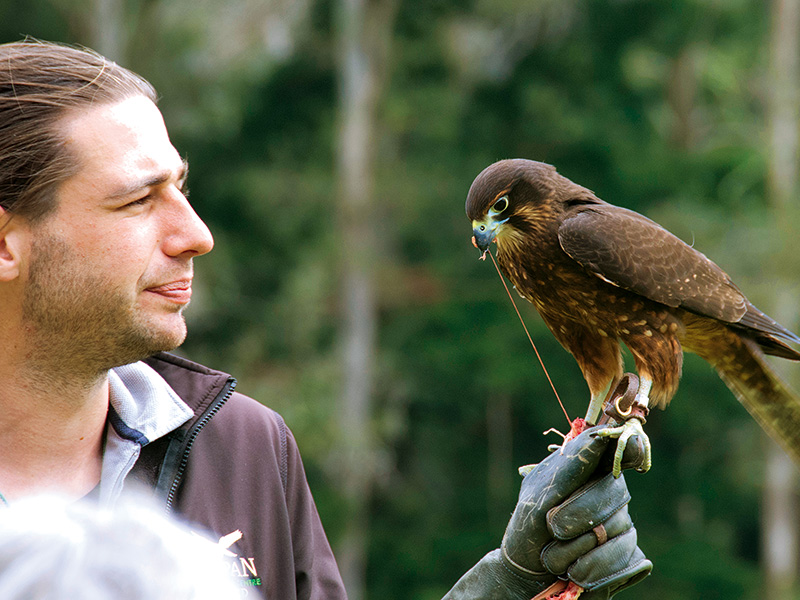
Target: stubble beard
79 322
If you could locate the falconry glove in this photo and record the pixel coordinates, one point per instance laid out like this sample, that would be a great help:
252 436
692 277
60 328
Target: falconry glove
571 522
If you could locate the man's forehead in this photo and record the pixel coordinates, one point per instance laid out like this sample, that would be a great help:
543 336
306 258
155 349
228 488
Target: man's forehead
116 143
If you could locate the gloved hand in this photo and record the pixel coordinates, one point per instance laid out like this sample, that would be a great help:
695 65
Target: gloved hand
571 521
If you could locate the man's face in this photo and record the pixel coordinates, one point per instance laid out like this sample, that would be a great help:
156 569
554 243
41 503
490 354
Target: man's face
110 270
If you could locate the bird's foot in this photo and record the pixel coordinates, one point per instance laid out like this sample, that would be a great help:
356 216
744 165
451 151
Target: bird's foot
576 427
631 427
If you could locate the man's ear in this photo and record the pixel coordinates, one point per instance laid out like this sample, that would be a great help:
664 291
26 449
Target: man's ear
14 240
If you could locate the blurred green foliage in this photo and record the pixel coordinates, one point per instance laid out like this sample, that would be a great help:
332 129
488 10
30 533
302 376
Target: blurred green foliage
657 106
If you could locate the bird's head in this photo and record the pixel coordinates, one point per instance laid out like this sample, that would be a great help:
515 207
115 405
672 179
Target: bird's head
503 195
510 197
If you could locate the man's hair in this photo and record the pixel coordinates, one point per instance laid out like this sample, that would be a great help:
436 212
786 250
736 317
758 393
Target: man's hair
59 549
40 82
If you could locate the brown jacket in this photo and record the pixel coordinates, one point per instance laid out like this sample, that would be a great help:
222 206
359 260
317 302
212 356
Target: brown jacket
235 468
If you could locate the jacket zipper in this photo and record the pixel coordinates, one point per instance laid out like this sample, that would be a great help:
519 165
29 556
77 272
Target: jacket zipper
213 408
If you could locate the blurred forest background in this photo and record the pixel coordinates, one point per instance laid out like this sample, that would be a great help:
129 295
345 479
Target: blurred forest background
332 144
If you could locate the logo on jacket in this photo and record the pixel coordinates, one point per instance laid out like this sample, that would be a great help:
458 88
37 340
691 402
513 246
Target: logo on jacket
243 568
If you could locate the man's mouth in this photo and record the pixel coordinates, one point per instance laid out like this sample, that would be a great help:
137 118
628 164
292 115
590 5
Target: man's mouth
179 291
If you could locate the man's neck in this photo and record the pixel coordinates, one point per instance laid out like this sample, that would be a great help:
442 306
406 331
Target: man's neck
51 432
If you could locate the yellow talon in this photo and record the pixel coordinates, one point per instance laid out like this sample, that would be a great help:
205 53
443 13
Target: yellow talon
632 426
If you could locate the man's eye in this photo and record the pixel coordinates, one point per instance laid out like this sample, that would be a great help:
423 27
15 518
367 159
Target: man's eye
140 202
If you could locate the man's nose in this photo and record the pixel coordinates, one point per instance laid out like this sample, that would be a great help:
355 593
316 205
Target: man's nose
189 235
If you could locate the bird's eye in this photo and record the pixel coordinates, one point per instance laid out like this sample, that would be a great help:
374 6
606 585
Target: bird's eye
500 205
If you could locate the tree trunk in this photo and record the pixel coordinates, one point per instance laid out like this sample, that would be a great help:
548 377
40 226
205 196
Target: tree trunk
364 29
779 514
682 97
500 470
109 33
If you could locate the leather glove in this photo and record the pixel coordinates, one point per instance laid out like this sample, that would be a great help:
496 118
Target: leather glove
571 521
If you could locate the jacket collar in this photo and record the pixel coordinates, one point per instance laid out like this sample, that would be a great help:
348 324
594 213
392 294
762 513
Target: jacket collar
143 407
195 384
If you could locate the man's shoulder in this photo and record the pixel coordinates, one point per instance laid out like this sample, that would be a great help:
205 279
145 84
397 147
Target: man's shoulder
195 384
244 414
202 388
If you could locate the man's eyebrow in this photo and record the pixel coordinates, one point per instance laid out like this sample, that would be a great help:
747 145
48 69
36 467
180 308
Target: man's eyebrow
153 180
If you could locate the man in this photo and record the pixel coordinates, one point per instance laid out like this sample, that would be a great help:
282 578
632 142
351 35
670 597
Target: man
97 242
129 551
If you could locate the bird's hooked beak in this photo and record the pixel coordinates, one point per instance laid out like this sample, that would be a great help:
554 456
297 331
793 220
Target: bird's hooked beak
485 231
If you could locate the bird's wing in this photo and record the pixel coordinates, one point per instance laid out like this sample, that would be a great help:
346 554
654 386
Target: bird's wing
632 252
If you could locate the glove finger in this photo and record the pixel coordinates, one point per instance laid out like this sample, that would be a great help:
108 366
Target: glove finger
613 564
559 555
589 506
568 468
643 568
640 569
546 486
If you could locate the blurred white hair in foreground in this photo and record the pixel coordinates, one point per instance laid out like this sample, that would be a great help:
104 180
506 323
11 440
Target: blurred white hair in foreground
51 549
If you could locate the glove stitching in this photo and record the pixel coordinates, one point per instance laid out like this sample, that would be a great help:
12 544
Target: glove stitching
601 582
593 585
553 512
546 558
574 498
506 557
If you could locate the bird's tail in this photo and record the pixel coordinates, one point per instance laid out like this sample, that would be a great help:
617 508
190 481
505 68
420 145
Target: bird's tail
770 401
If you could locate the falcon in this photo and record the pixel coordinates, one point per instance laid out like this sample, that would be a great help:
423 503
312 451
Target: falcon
601 275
